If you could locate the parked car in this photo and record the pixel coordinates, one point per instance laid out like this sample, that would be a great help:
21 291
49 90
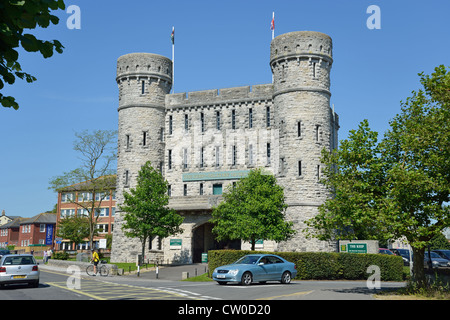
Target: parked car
385 251
436 260
256 268
404 253
3 252
19 268
443 253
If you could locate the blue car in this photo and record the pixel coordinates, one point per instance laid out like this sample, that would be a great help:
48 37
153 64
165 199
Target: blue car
256 268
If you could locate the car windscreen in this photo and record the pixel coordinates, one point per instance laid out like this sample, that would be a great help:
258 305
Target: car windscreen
247 260
15 261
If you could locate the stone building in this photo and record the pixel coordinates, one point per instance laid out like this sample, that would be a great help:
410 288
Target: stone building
204 141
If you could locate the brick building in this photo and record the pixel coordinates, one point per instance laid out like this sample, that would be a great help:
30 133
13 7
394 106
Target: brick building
26 233
71 202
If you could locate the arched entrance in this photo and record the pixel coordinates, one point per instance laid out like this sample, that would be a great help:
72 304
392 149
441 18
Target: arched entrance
203 240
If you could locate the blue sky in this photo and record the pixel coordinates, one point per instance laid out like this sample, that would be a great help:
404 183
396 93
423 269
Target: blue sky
218 44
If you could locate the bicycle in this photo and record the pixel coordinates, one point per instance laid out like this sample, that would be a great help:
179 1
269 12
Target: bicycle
101 268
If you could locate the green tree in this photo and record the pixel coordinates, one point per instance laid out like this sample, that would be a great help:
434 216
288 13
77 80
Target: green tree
74 228
399 186
355 175
418 147
439 241
253 209
146 206
15 17
95 177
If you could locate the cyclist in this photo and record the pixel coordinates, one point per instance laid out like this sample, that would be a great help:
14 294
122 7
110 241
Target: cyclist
95 259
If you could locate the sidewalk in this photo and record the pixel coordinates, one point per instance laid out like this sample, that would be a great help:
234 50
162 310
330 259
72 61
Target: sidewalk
174 273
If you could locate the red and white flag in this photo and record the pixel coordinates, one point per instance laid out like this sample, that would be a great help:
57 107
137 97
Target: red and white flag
272 23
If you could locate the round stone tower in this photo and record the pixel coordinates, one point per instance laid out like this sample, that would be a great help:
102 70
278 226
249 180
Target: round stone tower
301 63
144 79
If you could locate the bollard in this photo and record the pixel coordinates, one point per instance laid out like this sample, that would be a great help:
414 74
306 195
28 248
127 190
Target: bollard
184 275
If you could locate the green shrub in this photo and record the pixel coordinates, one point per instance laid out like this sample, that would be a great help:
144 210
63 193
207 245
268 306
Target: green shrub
60 255
323 265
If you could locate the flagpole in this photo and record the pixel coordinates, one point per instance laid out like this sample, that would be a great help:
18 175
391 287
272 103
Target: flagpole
272 26
173 59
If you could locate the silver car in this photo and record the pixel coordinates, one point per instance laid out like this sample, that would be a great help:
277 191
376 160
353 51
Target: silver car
256 267
19 268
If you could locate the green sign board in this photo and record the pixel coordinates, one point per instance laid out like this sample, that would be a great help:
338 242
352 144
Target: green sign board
215 175
175 242
357 247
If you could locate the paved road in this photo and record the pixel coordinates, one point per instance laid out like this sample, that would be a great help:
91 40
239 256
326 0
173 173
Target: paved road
169 286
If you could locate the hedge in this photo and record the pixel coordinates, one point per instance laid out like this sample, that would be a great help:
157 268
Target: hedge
323 265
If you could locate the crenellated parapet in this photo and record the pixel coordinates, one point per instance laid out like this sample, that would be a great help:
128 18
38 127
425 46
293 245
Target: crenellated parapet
227 96
301 61
143 80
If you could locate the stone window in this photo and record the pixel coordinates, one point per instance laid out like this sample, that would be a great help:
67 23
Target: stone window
201 189
202 122
233 119
186 122
317 133
127 141
267 116
217 156
233 156
282 164
268 153
169 160
218 120
250 118
202 151
144 138
127 178
185 158
250 155
217 189
185 190
170 124
299 168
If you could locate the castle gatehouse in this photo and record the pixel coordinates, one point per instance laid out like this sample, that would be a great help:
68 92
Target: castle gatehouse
204 141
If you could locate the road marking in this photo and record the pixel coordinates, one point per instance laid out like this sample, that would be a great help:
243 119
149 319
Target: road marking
287 295
55 284
112 291
101 289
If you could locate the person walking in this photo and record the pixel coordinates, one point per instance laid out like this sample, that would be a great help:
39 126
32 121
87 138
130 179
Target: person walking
45 256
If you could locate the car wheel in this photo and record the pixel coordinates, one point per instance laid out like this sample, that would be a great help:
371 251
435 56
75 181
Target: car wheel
246 279
35 284
286 277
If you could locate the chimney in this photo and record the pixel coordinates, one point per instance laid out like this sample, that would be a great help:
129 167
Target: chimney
3 212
